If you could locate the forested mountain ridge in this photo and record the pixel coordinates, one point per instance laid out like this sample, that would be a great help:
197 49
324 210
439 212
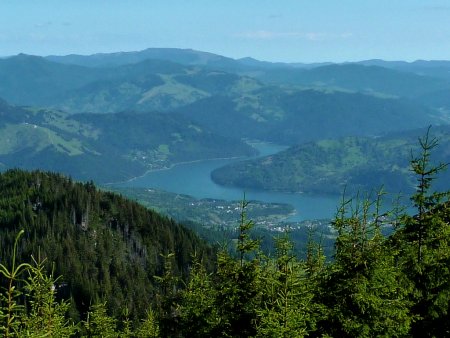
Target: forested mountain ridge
374 285
147 85
106 248
105 147
289 116
162 85
181 56
365 78
330 166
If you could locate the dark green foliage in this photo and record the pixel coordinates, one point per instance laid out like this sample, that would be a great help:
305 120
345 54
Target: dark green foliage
288 306
423 245
364 292
198 305
105 247
376 285
98 324
239 292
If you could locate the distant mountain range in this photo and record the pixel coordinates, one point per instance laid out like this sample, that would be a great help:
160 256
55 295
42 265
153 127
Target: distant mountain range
113 116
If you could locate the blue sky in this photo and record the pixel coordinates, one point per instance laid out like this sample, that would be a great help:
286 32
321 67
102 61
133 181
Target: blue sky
276 30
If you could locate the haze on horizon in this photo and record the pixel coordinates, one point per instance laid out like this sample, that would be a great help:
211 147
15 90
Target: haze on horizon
285 31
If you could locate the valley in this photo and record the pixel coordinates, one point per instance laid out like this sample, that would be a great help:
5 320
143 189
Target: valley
172 119
229 169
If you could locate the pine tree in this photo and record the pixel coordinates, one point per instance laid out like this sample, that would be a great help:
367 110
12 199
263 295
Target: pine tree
99 324
287 308
46 316
423 245
237 284
365 294
198 309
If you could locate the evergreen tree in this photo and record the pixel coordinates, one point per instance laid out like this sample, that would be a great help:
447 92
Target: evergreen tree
287 308
238 291
99 324
423 245
365 294
198 308
46 316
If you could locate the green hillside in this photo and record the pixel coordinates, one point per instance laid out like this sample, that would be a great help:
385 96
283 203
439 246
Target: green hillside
105 147
146 86
290 116
361 78
116 285
105 247
330 166
32 80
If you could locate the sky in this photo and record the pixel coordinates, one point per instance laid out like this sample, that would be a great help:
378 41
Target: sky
271 30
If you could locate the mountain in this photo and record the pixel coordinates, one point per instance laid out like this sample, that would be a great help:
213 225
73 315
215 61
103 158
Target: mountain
105 147
357 77
433 68
106 248
32 80
147 85
181 56
330 166
289 116
162 85
153 85
171 112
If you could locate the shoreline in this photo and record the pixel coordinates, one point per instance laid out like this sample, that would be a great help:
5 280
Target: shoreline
173 165
253 143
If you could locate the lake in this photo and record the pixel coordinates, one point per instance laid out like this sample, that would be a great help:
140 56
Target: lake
195 179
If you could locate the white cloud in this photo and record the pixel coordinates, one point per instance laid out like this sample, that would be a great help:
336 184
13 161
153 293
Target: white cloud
43 24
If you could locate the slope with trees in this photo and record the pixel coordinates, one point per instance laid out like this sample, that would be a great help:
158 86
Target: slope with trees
105 247
374 285
328 166
105 147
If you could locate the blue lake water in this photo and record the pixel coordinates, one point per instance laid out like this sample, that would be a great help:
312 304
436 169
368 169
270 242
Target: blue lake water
195 179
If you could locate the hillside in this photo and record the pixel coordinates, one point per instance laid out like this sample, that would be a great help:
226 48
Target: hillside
289 116
362 78
104 246
108 248
330 166
153 85
105 147
147 85
348 100
32 80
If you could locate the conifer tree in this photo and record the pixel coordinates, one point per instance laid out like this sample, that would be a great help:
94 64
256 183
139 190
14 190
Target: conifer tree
149 327
99 324
364 292
287 307
423 245
46 316
238 288
198 310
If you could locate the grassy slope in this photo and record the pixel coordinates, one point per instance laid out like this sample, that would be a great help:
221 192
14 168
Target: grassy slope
105 147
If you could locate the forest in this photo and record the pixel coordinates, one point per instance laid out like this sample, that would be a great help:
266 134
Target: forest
76 261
